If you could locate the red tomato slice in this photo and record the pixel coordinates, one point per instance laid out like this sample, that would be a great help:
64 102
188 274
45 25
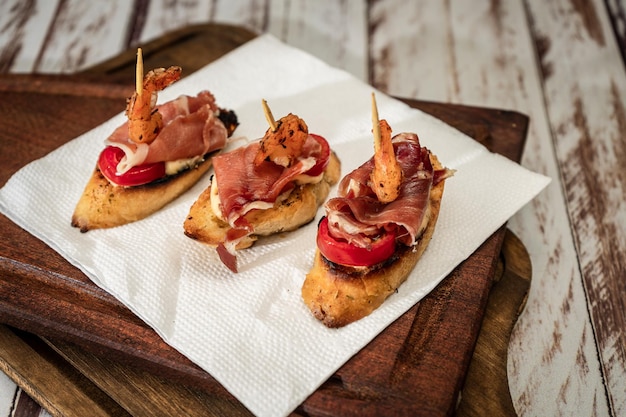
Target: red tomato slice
323 159
111 156
344 253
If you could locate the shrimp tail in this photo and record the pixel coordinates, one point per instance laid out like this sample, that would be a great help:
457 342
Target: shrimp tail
386 177
283 141
144 120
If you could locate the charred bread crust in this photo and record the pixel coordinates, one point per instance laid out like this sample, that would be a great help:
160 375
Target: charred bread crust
104 205
338 295
298 209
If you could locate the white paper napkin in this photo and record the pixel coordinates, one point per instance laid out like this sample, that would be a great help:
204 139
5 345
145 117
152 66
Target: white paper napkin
251 331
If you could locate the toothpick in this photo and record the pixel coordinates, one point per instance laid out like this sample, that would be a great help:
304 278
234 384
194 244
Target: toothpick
139 73
375 124
268 116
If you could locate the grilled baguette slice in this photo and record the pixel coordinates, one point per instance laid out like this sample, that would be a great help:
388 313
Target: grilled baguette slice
338 295
104 205
298 209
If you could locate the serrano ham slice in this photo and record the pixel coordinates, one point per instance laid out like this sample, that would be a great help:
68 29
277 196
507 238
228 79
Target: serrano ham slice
357 206
191 128
242 182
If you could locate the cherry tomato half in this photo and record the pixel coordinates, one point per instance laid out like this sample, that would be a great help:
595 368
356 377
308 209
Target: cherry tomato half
111 156
344 253
323 159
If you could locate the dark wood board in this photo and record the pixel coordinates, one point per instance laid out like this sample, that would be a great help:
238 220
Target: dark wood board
108 388
416 365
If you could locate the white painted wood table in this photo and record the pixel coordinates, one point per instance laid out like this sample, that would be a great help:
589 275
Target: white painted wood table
561 62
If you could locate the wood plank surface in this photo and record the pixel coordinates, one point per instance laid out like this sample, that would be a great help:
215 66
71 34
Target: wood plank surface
559 62
555 331
588 110
40 372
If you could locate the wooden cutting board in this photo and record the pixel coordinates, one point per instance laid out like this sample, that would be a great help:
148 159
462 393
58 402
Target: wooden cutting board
417 365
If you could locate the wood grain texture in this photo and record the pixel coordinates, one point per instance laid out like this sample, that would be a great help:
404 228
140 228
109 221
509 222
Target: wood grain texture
81 34
480 396
531 56
587 109
23 28
489 59
39 375
25 406
141 393
617 14
334 31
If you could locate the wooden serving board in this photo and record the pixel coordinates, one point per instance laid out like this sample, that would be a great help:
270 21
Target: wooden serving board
417 365
99 386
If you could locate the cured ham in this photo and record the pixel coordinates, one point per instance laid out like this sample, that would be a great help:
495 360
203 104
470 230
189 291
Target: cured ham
191 128
357 216
242 182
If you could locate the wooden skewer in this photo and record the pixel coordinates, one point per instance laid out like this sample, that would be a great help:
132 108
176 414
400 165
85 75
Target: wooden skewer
139 73
375 124
269 116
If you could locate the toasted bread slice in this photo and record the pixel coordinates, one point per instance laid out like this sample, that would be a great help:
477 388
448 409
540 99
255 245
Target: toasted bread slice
104 205
298 209
338 295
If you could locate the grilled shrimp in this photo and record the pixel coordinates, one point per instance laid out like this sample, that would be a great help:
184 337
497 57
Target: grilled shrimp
386 177
144 119
284 140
